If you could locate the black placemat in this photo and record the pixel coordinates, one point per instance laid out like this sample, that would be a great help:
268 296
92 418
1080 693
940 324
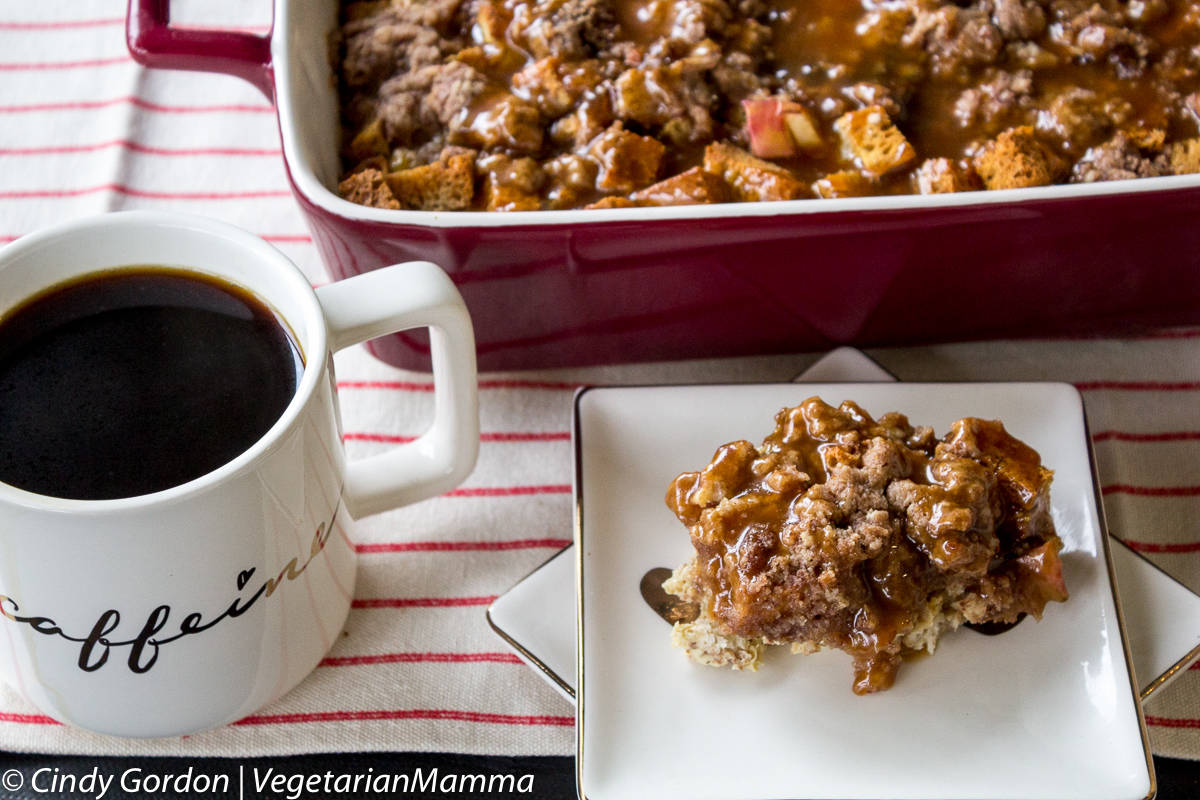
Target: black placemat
553 777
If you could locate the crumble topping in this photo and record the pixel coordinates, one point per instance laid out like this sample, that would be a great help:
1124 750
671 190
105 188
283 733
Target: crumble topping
868 536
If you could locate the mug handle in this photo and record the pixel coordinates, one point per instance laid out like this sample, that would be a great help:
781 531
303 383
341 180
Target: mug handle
411 295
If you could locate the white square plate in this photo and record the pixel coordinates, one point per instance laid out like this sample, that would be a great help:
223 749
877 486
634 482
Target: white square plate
1047 710
536 617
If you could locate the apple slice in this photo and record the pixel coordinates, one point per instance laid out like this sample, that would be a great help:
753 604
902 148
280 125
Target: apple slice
769 137
779 128
1040 577
800 124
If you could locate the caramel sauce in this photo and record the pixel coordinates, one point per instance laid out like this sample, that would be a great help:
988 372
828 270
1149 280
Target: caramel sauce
810 39
644 21
802 539
481 119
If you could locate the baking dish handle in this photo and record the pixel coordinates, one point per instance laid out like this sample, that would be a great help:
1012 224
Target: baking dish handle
154 43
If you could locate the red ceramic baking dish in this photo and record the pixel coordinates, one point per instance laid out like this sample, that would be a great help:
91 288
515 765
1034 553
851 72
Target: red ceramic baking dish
555 288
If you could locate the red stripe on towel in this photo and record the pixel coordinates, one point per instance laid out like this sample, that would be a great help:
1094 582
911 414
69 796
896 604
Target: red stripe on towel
422 602
421 658
91 63
409 386
388 438
137 102
28 194
433 714
1151 491
283 238
1168 436
60 24
1157 547
1172 722
458 547
28 719
137 147
1139 386
509 491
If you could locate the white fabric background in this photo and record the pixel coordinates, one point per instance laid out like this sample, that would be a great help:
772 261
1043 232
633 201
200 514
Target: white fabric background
84 130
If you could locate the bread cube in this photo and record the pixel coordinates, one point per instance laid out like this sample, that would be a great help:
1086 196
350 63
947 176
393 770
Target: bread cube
500 119
368 142
592 116
499 197
541 82
369 188
627 161
511 184
616 201
693 187
492 20
1183 157
491 59
639 96
572 178
872 141
447 184
749 178
847 183
941 176
1147 139
1016 159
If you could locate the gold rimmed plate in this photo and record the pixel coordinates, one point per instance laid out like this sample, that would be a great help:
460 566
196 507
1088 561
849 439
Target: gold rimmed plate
1047 710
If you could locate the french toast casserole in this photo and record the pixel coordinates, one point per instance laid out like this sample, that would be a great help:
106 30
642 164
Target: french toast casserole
548 104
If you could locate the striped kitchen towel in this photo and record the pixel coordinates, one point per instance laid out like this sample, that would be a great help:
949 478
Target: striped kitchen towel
83 129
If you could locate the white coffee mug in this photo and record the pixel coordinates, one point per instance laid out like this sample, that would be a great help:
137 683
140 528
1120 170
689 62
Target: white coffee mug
185 609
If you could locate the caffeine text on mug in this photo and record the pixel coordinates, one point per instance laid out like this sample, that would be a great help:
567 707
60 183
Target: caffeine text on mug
143 648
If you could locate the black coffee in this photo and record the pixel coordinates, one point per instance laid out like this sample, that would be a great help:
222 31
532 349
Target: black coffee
137 380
